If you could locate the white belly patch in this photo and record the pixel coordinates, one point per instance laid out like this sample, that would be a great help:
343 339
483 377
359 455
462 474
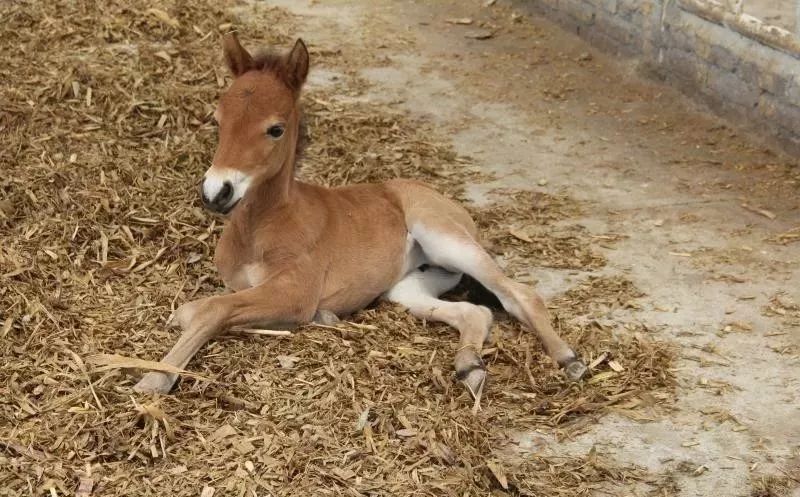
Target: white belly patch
414 256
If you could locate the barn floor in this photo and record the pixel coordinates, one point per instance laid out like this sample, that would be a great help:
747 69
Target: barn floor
704 213
665 241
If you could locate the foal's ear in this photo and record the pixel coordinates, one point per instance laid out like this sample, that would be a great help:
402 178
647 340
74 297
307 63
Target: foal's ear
238 59
297 65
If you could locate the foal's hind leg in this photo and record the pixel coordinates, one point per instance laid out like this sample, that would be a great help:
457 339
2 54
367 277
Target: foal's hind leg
452 247
419 290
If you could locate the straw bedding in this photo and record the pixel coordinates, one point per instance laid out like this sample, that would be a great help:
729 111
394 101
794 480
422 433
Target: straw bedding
106 124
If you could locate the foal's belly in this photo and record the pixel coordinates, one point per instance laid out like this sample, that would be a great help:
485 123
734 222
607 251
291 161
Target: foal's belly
357 283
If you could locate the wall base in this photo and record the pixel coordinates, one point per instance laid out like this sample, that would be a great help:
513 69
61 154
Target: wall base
739 77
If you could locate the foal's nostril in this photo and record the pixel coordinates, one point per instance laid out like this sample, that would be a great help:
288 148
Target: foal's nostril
217 197
225 194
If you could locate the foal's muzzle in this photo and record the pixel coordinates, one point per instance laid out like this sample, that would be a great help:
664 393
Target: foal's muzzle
223 187
222 200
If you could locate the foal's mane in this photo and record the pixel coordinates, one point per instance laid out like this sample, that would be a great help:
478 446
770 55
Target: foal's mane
271 61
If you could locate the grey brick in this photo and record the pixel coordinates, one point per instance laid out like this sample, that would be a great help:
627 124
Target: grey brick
723 58
726 85
792 90
619 29
773 81
685 67
582 11
749 70
604 40
679 37
779 112
629 7
609 6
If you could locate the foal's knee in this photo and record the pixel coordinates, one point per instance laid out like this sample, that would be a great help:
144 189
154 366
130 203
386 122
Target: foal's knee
185 314
474 319
210 312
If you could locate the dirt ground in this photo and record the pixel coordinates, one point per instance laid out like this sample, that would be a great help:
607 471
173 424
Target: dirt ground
703 211
665 241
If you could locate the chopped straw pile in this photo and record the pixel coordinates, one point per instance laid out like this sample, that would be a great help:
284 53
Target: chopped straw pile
106 123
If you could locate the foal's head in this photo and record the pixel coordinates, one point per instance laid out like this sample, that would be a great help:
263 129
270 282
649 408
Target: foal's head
258 119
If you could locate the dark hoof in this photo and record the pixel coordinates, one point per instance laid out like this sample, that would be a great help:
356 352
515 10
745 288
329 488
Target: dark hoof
575 370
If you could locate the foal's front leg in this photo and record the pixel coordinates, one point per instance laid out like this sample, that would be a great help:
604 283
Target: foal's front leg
289 298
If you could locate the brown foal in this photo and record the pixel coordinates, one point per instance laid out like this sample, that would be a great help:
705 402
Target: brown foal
292 250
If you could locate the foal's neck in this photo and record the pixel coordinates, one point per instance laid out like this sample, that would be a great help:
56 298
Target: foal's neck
272 192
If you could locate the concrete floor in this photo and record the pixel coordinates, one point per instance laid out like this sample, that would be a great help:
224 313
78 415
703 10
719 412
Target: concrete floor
534 103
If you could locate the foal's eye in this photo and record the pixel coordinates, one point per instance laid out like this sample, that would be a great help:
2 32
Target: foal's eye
275 131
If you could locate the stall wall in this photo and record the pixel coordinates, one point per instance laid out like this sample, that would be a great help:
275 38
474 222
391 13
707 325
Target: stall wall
741 68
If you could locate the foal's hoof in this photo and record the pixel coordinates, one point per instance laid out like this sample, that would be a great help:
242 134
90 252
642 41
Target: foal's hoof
172 321
473 377
155 382
575 370
474 381
326 318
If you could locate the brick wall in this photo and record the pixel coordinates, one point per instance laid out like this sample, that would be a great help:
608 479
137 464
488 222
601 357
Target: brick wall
736 75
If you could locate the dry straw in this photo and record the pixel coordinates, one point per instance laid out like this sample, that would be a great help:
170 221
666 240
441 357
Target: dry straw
105 114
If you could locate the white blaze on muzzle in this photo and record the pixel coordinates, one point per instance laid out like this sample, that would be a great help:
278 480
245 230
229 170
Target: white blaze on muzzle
223 187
